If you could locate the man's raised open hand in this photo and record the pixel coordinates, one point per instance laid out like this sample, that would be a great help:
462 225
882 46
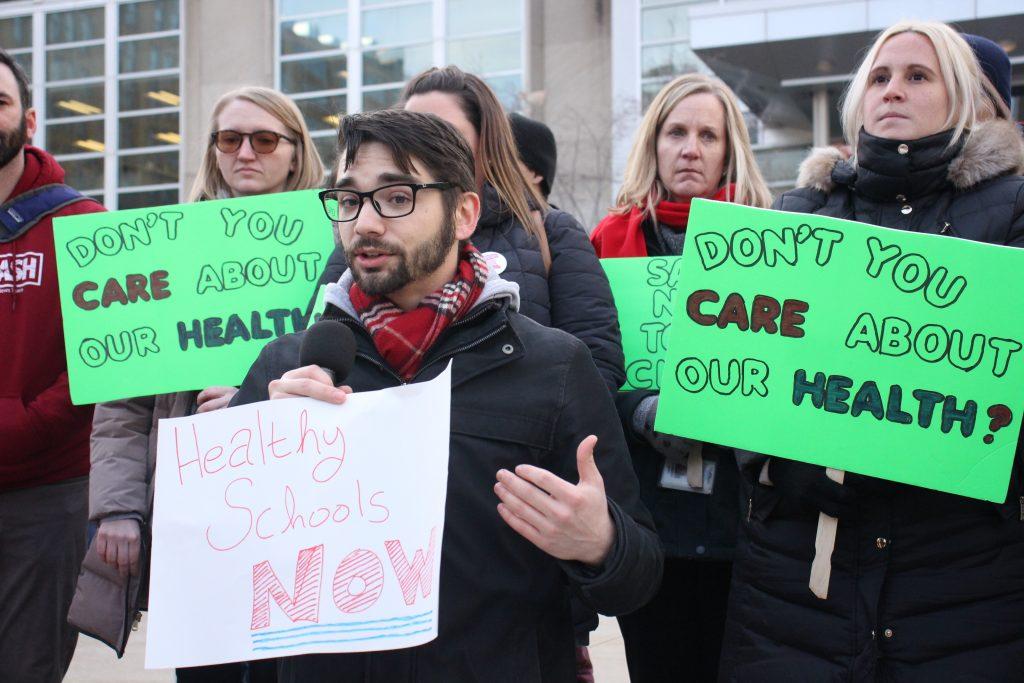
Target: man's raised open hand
567 521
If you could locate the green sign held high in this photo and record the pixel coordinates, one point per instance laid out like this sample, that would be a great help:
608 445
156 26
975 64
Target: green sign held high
184 297
861 348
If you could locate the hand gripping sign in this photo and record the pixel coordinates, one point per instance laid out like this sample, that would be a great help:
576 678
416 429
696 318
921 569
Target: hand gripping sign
295 526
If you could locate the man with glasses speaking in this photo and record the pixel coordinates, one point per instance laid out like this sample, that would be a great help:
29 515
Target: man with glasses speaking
537 506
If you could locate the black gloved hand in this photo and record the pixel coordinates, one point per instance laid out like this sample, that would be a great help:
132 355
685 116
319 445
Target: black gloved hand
810 485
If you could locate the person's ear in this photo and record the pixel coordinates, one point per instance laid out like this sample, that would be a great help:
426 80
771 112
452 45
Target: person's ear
30 123
467 213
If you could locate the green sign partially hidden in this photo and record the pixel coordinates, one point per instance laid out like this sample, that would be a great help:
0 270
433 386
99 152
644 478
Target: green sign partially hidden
645 292
184 297
888 353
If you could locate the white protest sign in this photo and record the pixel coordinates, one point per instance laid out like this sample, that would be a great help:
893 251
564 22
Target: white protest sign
296 526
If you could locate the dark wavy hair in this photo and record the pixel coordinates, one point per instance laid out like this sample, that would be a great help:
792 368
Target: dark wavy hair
434 143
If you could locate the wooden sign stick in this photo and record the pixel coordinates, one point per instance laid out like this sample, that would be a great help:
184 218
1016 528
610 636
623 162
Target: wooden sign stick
824 544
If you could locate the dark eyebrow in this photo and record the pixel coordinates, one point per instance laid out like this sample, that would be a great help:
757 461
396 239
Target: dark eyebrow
396 178
383 178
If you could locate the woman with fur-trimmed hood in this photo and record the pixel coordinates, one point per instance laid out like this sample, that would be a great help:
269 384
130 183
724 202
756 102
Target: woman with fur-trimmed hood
925 586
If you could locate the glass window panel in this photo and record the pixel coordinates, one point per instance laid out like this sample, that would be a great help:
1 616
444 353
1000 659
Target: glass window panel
665 23
476 16
149 131
395 64
480 55
290 7
397 25
73 26
321 73
74 100
16 32
83 174
25 60
311 35
149 93
508 89
148 17
380 99
148 55
74 62
142 200
327 146
147 169
668 60
321 113
75 138
649 90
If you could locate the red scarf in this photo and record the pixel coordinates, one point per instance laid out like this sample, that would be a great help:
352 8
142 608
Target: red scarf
622 234
404 337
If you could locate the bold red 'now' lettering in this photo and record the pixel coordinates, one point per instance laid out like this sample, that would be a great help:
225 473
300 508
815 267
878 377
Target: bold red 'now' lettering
358 564
419 572
305 606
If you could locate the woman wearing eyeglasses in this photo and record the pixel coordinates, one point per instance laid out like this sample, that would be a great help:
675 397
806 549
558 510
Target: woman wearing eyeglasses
258 144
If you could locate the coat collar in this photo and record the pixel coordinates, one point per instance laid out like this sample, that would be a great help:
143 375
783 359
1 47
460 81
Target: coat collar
992 149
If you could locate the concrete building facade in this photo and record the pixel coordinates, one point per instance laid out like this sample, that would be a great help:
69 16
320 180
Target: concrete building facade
124 87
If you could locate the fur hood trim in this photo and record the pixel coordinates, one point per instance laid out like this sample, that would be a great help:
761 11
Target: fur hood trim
993 149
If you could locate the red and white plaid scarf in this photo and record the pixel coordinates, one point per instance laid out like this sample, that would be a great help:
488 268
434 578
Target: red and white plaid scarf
404 337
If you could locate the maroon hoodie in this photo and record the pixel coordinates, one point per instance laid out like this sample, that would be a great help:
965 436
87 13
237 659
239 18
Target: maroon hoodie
43 438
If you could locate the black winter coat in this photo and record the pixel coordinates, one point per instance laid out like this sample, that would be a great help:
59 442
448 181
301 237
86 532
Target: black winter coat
690 525
521 393
573 297
925 586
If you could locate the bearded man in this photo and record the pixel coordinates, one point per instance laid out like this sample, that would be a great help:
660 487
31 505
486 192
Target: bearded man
534 513
44 440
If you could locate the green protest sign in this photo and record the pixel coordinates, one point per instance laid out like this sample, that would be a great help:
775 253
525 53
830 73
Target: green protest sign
184 297
644 289
888 353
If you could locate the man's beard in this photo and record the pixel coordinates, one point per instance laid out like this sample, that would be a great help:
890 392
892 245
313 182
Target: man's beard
12 142
427 258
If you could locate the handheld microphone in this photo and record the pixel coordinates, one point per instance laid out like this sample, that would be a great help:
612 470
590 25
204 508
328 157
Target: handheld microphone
331 345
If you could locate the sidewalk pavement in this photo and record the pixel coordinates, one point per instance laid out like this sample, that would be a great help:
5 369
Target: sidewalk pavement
94 662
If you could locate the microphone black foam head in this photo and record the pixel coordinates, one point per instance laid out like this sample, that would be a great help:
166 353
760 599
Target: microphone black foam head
329 344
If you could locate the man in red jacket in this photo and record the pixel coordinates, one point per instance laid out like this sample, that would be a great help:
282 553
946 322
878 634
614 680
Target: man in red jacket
44 440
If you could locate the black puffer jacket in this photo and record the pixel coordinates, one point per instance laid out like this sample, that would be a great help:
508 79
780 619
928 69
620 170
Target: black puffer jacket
521 393
925 586
573 297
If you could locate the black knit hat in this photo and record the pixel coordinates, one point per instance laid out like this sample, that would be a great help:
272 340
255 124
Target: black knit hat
993 61
537 149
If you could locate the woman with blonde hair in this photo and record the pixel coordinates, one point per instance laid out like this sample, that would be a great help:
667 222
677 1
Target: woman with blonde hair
258 143
692 143
925 586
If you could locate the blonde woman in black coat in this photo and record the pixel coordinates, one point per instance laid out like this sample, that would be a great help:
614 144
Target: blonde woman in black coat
925 586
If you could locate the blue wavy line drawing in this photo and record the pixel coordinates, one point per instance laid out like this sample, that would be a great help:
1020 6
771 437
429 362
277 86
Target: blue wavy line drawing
342 623
342 640
339 629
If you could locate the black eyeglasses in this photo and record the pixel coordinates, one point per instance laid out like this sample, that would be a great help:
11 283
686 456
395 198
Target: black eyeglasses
262 141
389 201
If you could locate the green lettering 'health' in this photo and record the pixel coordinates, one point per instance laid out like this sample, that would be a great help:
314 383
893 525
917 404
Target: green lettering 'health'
887 353
184 297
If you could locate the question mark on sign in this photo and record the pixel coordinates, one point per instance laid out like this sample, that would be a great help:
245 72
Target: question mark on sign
1001 416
